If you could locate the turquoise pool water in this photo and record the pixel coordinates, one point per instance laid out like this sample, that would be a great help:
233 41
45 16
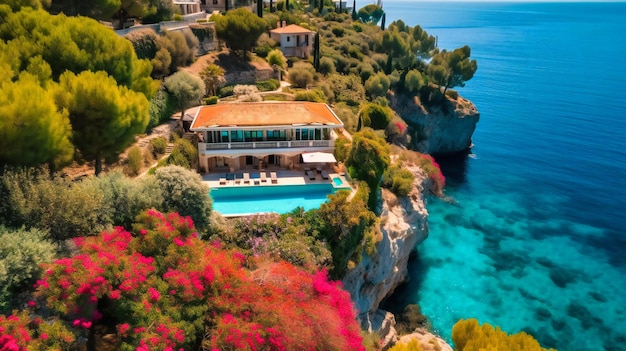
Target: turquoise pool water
275 198
337 181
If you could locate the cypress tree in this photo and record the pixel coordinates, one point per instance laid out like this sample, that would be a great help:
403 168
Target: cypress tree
382 24
321 5
286 5
316 54
271 6
259 8
354 15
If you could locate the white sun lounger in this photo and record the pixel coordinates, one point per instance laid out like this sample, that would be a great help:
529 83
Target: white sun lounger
246 178
273 177
263 177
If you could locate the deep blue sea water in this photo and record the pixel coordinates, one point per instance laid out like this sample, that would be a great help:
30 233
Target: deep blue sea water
537 240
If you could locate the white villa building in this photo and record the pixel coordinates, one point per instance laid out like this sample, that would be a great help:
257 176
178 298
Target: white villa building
255 135
295 41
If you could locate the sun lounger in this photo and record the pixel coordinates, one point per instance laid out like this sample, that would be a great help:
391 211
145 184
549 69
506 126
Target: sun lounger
263 177
237 180
273 177
246 178
222 181
311 175
324 174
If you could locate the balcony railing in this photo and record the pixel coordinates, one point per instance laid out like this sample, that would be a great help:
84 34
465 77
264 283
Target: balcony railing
266 145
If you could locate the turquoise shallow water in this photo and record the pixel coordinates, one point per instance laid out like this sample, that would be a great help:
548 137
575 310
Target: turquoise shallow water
536 239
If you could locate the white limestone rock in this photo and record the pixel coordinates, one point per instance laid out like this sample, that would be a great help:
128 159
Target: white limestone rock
404 225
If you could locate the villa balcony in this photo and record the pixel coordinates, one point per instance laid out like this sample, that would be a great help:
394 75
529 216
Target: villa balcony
253 145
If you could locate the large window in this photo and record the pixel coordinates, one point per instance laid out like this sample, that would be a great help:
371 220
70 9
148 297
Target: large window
236 136
276 135
253 135
224 137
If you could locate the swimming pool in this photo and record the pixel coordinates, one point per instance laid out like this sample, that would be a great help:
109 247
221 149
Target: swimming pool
275 198
338 182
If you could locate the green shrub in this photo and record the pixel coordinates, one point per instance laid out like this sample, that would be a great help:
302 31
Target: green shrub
327 66
134 161
211 100
184 154
184 192
376 116
315 95
34 200
301 74
159 145
264 45
144 42
21 254
162 106
268 85
399 180
225 91
342 148
338 32
125 198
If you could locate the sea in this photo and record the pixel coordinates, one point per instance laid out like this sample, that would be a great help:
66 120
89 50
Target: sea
535 238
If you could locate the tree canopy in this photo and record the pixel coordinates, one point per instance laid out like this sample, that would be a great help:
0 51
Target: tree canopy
452 68
240 29
32 131
368 160
105 117
371 13
185 88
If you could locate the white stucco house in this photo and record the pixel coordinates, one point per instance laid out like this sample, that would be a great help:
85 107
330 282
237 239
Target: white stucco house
295 41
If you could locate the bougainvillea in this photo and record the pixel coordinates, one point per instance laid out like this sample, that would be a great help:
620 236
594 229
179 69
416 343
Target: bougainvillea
20 332
161 287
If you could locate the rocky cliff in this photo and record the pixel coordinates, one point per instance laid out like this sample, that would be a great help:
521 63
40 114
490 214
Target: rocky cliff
445 127
404 225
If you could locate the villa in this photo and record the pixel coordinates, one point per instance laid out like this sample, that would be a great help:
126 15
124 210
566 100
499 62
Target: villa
254 135
294 40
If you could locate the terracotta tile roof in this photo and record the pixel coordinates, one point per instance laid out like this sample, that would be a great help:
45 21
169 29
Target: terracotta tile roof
291 29
270 113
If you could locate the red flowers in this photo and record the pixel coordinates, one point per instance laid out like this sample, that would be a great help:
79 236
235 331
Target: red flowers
165 287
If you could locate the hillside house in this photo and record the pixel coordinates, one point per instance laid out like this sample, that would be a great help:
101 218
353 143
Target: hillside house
240 135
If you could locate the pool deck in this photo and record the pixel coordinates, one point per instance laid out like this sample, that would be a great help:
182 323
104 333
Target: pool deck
284 177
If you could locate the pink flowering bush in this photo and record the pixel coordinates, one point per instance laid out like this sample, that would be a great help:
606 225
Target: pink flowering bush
20 332
159 287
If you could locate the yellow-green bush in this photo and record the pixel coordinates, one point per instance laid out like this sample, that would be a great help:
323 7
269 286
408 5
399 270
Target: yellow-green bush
412 345
468 335
134 161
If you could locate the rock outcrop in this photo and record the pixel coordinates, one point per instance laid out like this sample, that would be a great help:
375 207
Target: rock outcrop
404 225
442 128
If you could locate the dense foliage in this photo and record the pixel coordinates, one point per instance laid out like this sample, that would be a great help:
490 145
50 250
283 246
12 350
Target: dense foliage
35 200
240 29
368 159
160 286
468 335
187 89
22 252
80 74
